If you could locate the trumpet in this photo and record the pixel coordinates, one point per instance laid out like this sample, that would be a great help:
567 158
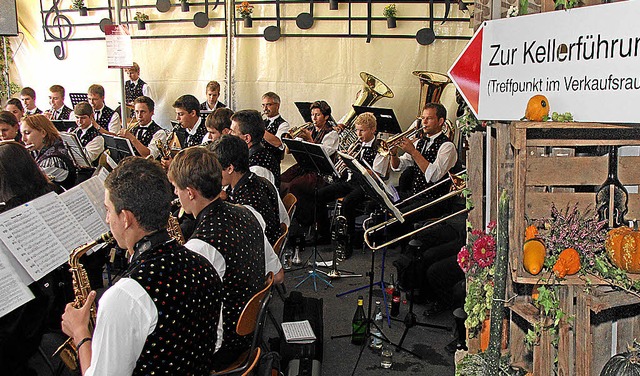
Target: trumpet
385 146
295 131
133 123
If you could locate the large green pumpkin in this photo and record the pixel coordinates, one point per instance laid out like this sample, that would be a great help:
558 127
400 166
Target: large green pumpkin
624 364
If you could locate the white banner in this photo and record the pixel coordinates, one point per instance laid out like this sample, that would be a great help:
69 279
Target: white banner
585 61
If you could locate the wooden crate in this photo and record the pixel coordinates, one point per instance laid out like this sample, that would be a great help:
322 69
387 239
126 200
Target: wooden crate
531 171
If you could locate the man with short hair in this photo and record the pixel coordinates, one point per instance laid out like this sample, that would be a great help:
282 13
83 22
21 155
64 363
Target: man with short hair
218 123
275 126
228 235
58 110
192 129
87 131
145 136
135 86
162 315
28 98
248 125
213 94
105 116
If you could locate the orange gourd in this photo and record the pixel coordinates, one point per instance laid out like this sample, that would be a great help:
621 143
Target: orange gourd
537 108
534 254
568 263
622 248
530 232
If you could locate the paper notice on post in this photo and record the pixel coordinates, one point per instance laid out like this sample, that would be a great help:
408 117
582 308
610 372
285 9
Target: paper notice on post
13 292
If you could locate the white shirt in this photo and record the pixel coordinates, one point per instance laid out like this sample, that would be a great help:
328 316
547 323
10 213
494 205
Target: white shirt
263 172
126 317
283 128
114 124
330 142
160 135
95 147
445 160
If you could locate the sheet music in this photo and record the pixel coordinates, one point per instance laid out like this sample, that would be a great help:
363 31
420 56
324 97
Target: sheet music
61 221
298 332
85 211
13 292
38 252
75 149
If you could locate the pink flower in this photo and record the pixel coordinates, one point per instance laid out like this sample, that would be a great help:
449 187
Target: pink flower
463 259
477 232
491 225
484 250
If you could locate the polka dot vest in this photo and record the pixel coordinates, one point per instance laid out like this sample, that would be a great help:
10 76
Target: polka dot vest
419 182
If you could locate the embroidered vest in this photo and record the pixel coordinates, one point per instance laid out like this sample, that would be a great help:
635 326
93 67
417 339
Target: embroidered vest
260 156
419 182
236 234
105 117
203 106
186 291
187 140
145 134
88 136
258 192
368 153
133 91
65 113
272 127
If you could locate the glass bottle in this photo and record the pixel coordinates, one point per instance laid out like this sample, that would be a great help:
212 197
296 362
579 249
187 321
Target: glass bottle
358 324
376 335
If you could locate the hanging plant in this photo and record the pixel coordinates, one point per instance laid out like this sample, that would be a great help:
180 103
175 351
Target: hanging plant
4 73
244 9
390 12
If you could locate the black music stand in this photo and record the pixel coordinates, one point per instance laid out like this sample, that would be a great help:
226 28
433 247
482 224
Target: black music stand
386 121
312 158
304 108
63 125
77 98
204 114
118 147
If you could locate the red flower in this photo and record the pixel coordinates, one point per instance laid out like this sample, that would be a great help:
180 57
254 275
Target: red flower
491 225
464 259
484 250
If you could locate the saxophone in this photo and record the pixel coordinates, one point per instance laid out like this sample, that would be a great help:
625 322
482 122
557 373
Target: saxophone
81 289
174 230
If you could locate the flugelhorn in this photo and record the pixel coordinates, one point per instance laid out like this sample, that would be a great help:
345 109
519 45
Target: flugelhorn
384 146
81 290
295 131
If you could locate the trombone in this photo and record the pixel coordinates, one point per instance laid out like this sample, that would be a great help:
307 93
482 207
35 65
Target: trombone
458 185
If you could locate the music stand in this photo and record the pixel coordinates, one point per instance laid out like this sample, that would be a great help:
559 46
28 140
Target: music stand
304 108
118 147
75 149
77 98
313 158
386 121
63 125
204 114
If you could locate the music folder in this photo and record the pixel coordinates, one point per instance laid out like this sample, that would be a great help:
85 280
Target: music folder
311 157
304 108
385 118
75 149
373 188
63 125
118 147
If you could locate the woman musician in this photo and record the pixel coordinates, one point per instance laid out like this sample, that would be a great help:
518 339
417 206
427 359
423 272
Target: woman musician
366 150
300 180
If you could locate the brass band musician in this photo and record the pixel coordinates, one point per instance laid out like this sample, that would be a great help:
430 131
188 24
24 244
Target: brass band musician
275 126
105 116
145 133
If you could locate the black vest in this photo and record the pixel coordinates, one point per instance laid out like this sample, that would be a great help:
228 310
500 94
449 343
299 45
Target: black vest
258 192
65 113
105 117
368 153
260 156
187 140
132 91
145 135
186 291
272 127
419 182
57 150
236 234
203 106
88 136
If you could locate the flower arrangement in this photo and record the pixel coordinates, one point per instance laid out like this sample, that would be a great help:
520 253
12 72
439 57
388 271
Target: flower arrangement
390 11
141 17
77 4
476 260
244 9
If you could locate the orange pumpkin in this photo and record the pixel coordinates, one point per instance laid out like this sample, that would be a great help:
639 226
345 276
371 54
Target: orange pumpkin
534 253
622 248
568 263
530 232
537 108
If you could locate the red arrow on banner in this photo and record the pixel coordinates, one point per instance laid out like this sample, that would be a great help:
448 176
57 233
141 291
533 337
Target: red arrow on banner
465 72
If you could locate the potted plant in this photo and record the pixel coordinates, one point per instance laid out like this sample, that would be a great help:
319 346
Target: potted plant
79 5
184 5
245 9
142 18
390 12
333 4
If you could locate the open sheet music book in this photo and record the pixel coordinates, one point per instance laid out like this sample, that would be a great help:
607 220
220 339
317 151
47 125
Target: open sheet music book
299 332
37 237
75 149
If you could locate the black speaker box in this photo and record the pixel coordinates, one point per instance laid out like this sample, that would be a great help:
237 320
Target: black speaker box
8 18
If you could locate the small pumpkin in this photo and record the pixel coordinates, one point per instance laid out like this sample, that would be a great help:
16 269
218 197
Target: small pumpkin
537 108
530 232
568 263
534 254
627 363
622 248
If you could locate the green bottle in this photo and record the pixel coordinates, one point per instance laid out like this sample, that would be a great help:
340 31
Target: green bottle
359 324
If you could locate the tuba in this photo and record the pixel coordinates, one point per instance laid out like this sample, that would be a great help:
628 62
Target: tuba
371 92
81 289
432 86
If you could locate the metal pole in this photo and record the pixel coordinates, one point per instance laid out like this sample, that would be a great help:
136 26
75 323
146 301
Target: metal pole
123 99
6 67
229 54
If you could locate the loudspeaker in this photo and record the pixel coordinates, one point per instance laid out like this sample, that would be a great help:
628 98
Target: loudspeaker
8 18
